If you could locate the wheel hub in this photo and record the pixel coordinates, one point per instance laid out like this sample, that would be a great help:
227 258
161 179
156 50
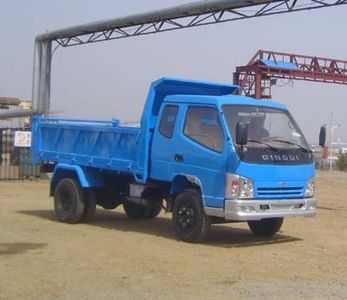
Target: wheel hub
186 217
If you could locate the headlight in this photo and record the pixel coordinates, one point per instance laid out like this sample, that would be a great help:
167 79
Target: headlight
238 187
310 188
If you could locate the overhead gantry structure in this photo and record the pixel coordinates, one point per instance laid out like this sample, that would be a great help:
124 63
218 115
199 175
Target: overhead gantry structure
179 17
257 77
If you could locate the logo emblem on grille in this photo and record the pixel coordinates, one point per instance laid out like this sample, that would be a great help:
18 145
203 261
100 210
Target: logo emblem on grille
282 184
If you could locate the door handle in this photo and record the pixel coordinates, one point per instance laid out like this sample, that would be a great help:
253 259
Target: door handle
179 157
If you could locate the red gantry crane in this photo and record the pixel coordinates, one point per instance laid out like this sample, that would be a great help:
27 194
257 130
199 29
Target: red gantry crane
260 74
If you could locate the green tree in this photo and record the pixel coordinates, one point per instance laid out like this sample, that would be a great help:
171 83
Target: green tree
342 161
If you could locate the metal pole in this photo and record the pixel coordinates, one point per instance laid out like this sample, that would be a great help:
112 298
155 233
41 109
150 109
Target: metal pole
45 78
18 113
331 142
332 128
42 76
36 76
258 87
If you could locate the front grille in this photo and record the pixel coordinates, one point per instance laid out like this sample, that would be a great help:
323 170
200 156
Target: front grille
280 192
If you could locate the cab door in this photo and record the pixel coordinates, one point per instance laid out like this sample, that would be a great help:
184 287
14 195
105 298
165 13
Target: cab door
163 150
201 150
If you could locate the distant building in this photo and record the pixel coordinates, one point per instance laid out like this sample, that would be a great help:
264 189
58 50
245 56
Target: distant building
26 121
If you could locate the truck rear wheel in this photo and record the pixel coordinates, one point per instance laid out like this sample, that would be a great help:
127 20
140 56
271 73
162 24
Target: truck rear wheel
266 227
69 201
136 211
190 222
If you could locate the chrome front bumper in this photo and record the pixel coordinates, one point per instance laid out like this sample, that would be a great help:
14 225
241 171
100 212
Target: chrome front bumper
251 210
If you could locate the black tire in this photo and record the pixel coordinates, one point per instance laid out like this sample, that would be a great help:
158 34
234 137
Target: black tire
154 211
136 211
69 201
190 222
266 227
89 205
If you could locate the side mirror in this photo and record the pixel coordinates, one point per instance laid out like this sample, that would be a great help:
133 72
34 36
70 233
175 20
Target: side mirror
241 133
322 136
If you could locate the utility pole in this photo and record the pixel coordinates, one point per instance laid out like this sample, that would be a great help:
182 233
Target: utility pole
332 128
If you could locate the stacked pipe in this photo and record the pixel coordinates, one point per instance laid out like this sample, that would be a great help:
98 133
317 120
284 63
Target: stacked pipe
6 102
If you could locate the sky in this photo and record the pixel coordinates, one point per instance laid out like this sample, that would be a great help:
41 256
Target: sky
111 79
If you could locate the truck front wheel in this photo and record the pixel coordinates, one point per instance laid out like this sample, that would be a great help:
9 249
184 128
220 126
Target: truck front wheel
190 222
266 227
68 201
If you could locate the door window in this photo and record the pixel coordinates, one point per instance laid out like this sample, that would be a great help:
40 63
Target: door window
202 125
168 120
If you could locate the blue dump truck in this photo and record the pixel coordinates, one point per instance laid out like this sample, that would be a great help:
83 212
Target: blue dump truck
202 152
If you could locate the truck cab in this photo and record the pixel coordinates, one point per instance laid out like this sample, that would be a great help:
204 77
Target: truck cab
270 176
262 180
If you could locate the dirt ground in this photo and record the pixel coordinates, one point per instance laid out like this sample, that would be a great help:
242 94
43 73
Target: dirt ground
117 258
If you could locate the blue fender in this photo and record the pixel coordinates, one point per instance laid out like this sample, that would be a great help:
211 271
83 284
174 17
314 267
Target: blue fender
88 177
184 181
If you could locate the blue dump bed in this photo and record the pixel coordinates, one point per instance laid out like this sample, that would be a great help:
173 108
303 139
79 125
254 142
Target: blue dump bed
98 144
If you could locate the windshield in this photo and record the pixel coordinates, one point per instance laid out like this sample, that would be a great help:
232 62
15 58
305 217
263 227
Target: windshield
271 130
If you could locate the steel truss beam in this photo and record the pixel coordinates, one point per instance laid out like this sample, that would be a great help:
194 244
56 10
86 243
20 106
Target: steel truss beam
185 16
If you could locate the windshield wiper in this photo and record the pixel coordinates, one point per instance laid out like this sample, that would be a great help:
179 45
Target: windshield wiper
262 143
294 144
